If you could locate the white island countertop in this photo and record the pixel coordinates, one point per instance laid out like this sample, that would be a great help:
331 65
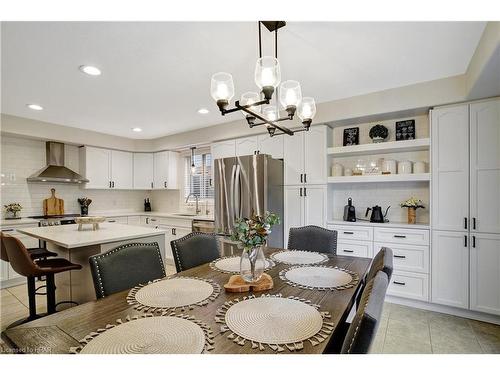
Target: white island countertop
68 236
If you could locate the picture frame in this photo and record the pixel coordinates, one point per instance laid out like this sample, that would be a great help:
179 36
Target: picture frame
351 137
405 130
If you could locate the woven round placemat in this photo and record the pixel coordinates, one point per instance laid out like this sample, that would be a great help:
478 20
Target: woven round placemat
274 321
296 257
319 277
172 293
232 264
149 334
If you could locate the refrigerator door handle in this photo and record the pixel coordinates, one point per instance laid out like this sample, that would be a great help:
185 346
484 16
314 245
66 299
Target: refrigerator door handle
231 212
237 192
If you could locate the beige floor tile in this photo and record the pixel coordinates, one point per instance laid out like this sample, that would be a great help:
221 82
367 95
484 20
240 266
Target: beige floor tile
409 330
21 293
11 310
407 314
488 336
405 345
452 336
5 292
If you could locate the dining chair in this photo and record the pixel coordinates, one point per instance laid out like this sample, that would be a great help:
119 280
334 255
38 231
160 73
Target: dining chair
21 261
194 249
126 266
382 261
364 326
313 238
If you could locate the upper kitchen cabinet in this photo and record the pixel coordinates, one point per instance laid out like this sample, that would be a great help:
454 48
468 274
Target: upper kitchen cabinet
165 170
246 146
485 166
450 168
122 170
271 146
143 171
106 169
223 149
305 156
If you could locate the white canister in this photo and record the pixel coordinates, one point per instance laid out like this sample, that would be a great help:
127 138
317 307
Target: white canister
389 166
348 172
419 167
404 167
337 170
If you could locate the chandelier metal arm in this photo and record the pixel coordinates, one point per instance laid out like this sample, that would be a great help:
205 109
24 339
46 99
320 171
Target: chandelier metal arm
263 119
278 120
242 107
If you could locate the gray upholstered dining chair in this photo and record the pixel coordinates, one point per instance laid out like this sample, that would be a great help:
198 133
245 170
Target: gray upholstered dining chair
382 261
364 326
194 249
313 238
125 267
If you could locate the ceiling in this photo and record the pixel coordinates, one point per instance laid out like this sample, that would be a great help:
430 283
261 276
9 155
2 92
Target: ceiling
156 75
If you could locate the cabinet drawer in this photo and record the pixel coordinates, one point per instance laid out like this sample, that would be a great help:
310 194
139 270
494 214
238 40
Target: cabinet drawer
409 285
402 236
412 258
351 232
186 223
134 220
355 248
117 219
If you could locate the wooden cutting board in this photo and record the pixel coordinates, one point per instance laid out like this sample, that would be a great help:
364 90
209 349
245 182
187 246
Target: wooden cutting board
53 205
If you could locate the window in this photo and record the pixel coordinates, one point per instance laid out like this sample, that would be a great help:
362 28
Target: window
199 182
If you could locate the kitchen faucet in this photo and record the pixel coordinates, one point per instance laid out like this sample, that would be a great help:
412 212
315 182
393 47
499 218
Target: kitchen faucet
198 211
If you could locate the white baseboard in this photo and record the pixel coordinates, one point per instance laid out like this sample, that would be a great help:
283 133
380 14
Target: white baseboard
12 282
484 317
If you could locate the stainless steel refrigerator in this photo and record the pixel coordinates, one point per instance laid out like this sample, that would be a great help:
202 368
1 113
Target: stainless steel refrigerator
245 185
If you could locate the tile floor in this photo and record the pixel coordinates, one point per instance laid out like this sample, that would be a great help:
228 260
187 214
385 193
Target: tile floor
402 329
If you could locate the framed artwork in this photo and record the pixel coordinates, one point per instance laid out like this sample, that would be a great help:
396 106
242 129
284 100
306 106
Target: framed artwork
405 130
351 137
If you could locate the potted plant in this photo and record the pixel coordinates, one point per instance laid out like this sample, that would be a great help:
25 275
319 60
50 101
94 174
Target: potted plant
12 210
378 133
251 234
412 204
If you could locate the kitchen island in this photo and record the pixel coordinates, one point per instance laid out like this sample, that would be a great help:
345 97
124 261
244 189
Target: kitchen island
77 246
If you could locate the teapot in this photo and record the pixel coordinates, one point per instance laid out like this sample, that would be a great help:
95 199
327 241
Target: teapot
377 216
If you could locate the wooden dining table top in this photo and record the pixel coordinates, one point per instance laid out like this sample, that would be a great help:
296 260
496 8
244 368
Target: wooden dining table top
58 332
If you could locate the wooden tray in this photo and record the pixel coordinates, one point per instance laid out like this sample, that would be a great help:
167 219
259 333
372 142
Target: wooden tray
237 285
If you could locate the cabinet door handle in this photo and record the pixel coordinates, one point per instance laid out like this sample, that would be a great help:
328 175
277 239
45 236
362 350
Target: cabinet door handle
300 192
348 232
347 251
474 241
465 223
147 220
111 221
474 223
153 219
400 256
305 177
465 240
398 283
301 177
399 236
113 184
110 184
151 185
165 184
305 192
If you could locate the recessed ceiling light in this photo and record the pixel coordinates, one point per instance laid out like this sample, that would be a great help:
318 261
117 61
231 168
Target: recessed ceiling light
203 111
137 130
90 70
34 107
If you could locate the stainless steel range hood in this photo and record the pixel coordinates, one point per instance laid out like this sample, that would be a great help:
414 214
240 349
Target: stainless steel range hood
55 171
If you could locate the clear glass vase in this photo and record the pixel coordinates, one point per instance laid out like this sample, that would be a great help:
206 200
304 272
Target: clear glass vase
252 264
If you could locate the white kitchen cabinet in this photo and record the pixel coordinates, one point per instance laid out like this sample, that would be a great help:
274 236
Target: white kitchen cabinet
305 156
117 219
485 167
355 248
223 149
293 209
143 171
271 145
315 205
122 169
165 170
134 220
172 233
246 146
450 168
484 275
450 268
95 165
409 285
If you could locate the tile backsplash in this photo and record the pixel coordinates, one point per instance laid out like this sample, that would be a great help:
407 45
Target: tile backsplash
22 157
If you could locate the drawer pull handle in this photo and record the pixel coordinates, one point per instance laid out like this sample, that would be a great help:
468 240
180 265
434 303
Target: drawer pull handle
398 283
399 236
347 251
400 256
348 232
7 230
111 221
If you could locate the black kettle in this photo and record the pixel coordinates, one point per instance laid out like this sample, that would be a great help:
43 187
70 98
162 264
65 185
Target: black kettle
377 216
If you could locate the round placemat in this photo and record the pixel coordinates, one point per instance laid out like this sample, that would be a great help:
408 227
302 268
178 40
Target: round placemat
296 257
171 293
149 335
319 277
274 321
232 264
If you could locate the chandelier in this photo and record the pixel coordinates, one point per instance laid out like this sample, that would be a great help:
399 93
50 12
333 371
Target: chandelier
257 106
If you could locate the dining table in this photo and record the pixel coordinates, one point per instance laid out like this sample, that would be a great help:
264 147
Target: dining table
59 332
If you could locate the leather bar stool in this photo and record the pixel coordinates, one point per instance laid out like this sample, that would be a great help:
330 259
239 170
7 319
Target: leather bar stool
19 258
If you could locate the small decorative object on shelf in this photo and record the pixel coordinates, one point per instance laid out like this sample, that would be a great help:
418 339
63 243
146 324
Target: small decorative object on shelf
252 236
378 133
84 205
412 204
12 210
351 137
359 168
405 130
93 220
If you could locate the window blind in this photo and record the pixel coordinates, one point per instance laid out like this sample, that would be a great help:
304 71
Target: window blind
199 182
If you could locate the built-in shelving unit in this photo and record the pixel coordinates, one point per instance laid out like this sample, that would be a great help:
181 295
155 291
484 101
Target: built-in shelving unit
420 144
379 178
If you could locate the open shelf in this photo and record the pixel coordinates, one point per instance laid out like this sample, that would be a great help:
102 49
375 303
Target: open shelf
420 144
379 178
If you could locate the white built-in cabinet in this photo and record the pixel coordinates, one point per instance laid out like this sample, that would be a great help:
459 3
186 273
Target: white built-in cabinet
165 170
122 170
259 144
143 170
246 146
466 206
223 149
271 145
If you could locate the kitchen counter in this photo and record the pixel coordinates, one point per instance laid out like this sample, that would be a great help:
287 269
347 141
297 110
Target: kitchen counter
175 215
22 221
382 225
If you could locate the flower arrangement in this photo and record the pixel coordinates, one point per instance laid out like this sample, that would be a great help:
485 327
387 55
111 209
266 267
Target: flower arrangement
412 203
13 208
253 232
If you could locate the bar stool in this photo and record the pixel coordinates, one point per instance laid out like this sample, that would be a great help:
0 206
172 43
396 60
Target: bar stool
14 252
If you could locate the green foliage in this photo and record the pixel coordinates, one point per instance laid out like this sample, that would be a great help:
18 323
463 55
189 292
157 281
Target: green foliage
13 207
253 232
